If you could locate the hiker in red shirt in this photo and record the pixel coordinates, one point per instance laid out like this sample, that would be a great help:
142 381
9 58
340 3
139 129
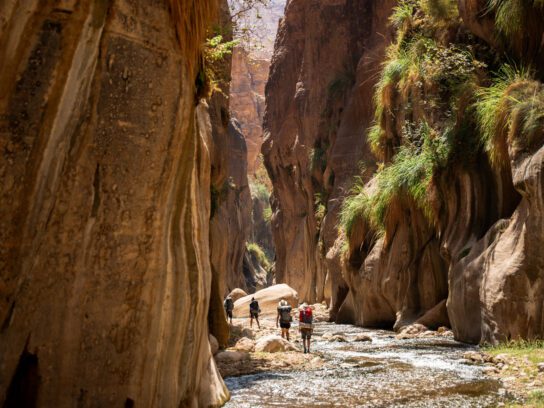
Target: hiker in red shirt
305 325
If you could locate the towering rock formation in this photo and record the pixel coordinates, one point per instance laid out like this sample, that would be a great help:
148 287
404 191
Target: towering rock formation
104 224
318 100
249 77
445 229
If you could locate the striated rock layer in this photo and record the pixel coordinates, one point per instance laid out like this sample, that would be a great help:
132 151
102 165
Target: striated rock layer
468 257
319 98
104 225
249 76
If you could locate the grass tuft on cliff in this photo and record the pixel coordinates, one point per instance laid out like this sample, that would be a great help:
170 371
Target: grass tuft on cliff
355 207
255 249
509 112
511 15
408 175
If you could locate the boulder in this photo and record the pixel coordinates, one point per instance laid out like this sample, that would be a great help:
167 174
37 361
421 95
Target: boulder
237 294
231 356
273 344
362 337
436 317
411 331
268 300
474 356
338 338
245 344
214 345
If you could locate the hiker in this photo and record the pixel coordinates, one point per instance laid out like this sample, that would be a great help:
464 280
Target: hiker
254 312
284 318
305 325
229 306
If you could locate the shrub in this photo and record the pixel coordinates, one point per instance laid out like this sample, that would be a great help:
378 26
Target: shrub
409 174
511 108
318 158
267 214
255 249
440 9
259 190
403 13
354 207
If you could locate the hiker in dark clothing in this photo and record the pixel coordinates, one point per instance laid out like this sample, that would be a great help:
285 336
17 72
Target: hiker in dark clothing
229 306
284 318
254 311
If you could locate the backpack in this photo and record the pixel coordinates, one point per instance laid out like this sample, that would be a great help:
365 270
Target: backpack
229 305
307 316
254 306
285 314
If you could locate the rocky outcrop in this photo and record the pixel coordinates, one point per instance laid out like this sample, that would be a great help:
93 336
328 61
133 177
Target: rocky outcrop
319 101
105 165
443 231
249 76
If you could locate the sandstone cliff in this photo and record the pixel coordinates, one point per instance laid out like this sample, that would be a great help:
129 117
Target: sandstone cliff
249 77
105 163
441 219
318 99
444 229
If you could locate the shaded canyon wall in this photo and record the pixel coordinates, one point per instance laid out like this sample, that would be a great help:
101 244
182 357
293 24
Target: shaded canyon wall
105 167
319 94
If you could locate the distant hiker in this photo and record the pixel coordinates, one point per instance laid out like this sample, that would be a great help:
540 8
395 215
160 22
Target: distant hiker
254 311
284 318
305 325
229 306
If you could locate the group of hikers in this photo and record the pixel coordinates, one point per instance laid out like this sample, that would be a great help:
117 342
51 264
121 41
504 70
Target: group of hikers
284 318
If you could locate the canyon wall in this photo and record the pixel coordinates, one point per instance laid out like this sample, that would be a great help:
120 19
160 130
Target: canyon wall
406 171
249 76
104 224
319 98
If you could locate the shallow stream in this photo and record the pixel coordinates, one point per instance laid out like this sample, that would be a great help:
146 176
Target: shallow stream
423 372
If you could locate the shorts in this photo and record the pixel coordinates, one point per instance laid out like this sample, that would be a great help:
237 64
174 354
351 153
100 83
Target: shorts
254 315
229 314
285 325
306 334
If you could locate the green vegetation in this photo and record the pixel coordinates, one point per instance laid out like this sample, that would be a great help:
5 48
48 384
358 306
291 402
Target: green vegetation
318 158
409 175
440 9
532 349
524 357
212 76
259 190
320 207
254 249
267 214
422 121
511 15
511 109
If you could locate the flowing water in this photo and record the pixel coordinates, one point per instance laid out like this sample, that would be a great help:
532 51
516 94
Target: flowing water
387 372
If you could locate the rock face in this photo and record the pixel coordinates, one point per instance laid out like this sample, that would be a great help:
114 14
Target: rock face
463 255
319 98
105 275
249 76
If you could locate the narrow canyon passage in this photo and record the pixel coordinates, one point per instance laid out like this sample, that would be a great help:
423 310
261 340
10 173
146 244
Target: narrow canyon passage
369 171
